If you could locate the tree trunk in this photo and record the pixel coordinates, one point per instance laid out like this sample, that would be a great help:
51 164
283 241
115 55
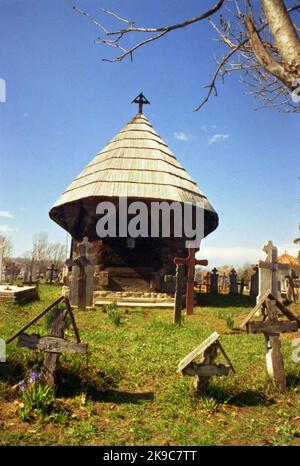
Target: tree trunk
285 35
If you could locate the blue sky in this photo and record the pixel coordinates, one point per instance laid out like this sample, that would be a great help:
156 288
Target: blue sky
64 103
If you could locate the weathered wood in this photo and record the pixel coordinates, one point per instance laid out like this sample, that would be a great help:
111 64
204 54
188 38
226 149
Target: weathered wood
190 261
225 356
274 360
35 319
51 344
207 370
72 318
272 327
48 371
256 308
179 291
81 289
59 345
28 341
285 311
197 351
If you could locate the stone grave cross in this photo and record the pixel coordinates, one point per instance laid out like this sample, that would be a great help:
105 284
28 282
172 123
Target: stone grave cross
81 289
268 277
52 270
190 261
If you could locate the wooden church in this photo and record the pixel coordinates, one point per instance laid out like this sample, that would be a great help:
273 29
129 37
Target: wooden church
136 164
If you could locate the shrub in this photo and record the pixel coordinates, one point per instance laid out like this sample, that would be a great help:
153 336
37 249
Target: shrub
113 313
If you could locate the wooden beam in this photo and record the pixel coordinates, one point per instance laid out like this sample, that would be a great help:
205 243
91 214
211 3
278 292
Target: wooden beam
72 318
59 345
256 308
197 351
51 344
272 327
207 370
225 356
35 319
286 312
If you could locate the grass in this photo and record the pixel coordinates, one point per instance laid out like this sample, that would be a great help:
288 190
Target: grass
125 390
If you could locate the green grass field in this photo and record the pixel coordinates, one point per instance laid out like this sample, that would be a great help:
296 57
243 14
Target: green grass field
125 390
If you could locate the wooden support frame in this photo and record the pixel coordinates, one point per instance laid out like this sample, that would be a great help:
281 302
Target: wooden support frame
54 344
208 368
272 327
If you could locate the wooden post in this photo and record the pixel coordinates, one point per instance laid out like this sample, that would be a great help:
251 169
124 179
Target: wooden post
81 289
274 359
57 328
179 289
190 261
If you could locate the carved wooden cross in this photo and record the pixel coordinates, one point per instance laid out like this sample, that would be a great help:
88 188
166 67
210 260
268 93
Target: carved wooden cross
180 282
81 289
190 261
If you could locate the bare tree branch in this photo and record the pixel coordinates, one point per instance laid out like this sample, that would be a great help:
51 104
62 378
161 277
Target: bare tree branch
163 30
256 36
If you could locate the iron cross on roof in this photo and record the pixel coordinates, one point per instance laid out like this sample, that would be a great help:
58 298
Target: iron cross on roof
141 100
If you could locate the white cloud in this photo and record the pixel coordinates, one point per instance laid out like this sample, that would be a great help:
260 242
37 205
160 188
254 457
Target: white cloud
240 255
7 229
218 138
230 255
181 136
6 214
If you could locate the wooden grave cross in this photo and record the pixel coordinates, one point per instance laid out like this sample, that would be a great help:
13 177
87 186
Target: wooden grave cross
272 327
180 282
207 368
54 344
190 261
81 289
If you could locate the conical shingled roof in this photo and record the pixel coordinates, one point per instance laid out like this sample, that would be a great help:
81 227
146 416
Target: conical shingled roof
137 164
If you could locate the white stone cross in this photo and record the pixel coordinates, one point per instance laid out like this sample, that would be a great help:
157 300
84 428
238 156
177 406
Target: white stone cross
268 271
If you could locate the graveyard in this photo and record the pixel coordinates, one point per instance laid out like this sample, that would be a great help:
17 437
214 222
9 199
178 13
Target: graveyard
126 390
149 249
